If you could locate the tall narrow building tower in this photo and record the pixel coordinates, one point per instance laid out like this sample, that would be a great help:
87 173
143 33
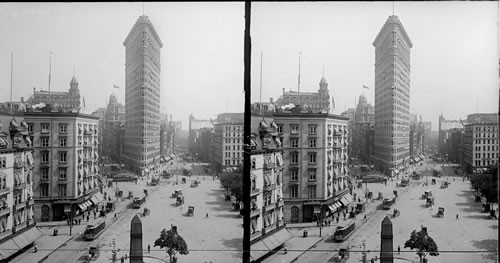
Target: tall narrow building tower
142 96
392 98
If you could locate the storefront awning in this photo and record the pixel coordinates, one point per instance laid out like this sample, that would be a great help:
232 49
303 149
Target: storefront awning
19 242
97 198
146 170
269 243
88 203
82 206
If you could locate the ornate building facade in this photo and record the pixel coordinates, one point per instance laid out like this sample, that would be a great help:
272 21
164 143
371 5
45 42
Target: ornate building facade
113 130
57 99
314 101
267 225
142 96
364 119
17 222
392 98
316 173
66 170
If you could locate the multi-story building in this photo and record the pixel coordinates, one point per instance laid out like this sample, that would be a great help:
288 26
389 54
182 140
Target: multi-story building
443 136
392 98
195 126
362 143
14 107
101 113
416 142
316 174
142 96
315 101
113 131
58 99
228 145
17 224
267 226
480 146
66 168
350 113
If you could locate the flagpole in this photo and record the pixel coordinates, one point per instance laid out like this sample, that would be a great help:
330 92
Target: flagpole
50 73
11 79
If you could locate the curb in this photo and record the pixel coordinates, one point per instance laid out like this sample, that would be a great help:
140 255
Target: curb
57 248
295 259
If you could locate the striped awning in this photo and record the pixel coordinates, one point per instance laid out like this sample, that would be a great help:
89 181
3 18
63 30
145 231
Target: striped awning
19 242
269 243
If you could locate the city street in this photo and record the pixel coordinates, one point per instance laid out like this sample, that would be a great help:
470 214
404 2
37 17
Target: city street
473 231
217 238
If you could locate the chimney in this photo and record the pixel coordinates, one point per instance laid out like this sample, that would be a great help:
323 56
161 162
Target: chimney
271 100
22 99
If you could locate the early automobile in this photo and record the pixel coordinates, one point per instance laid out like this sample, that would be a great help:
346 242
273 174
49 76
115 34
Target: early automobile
180 200
429 201
426 194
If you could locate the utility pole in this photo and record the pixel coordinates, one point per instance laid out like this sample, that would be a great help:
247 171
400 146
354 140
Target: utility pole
246 138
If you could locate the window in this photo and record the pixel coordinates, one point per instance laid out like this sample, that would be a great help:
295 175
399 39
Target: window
3 162
45 157
62 157
294 175
44 173
45 127
312 143
294 143
45 141
294 129
294 191
312 158
63 128
62 141
30 127
312 128
280 128
311 191
44 190
62 190
62 173
312 174
294 158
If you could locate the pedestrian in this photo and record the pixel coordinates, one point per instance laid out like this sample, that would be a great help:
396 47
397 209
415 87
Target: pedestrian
206 216
337 219
399 250
79 221
122 259
364 217
88 217
456 217
149 248
35 247
285 248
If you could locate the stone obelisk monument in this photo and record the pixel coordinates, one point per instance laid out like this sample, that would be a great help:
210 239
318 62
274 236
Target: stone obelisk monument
386 242
136 240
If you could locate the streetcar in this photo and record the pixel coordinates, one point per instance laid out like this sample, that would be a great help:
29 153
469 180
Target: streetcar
388 202
139 200
92 231
344 231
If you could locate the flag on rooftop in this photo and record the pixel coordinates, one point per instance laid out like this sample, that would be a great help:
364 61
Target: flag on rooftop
365 87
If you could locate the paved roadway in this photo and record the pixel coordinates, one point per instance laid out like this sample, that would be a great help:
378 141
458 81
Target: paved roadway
217 238
474 231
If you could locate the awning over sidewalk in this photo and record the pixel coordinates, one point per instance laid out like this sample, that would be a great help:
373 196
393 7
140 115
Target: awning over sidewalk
82 206
269 243
19 242
346 199
97 198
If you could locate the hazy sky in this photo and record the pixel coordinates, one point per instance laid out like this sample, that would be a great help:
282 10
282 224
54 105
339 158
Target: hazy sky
454 59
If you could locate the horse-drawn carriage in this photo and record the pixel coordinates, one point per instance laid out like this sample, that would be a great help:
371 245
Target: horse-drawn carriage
444 185
440 212
429 201
180 200
190 211
176 193
195 183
